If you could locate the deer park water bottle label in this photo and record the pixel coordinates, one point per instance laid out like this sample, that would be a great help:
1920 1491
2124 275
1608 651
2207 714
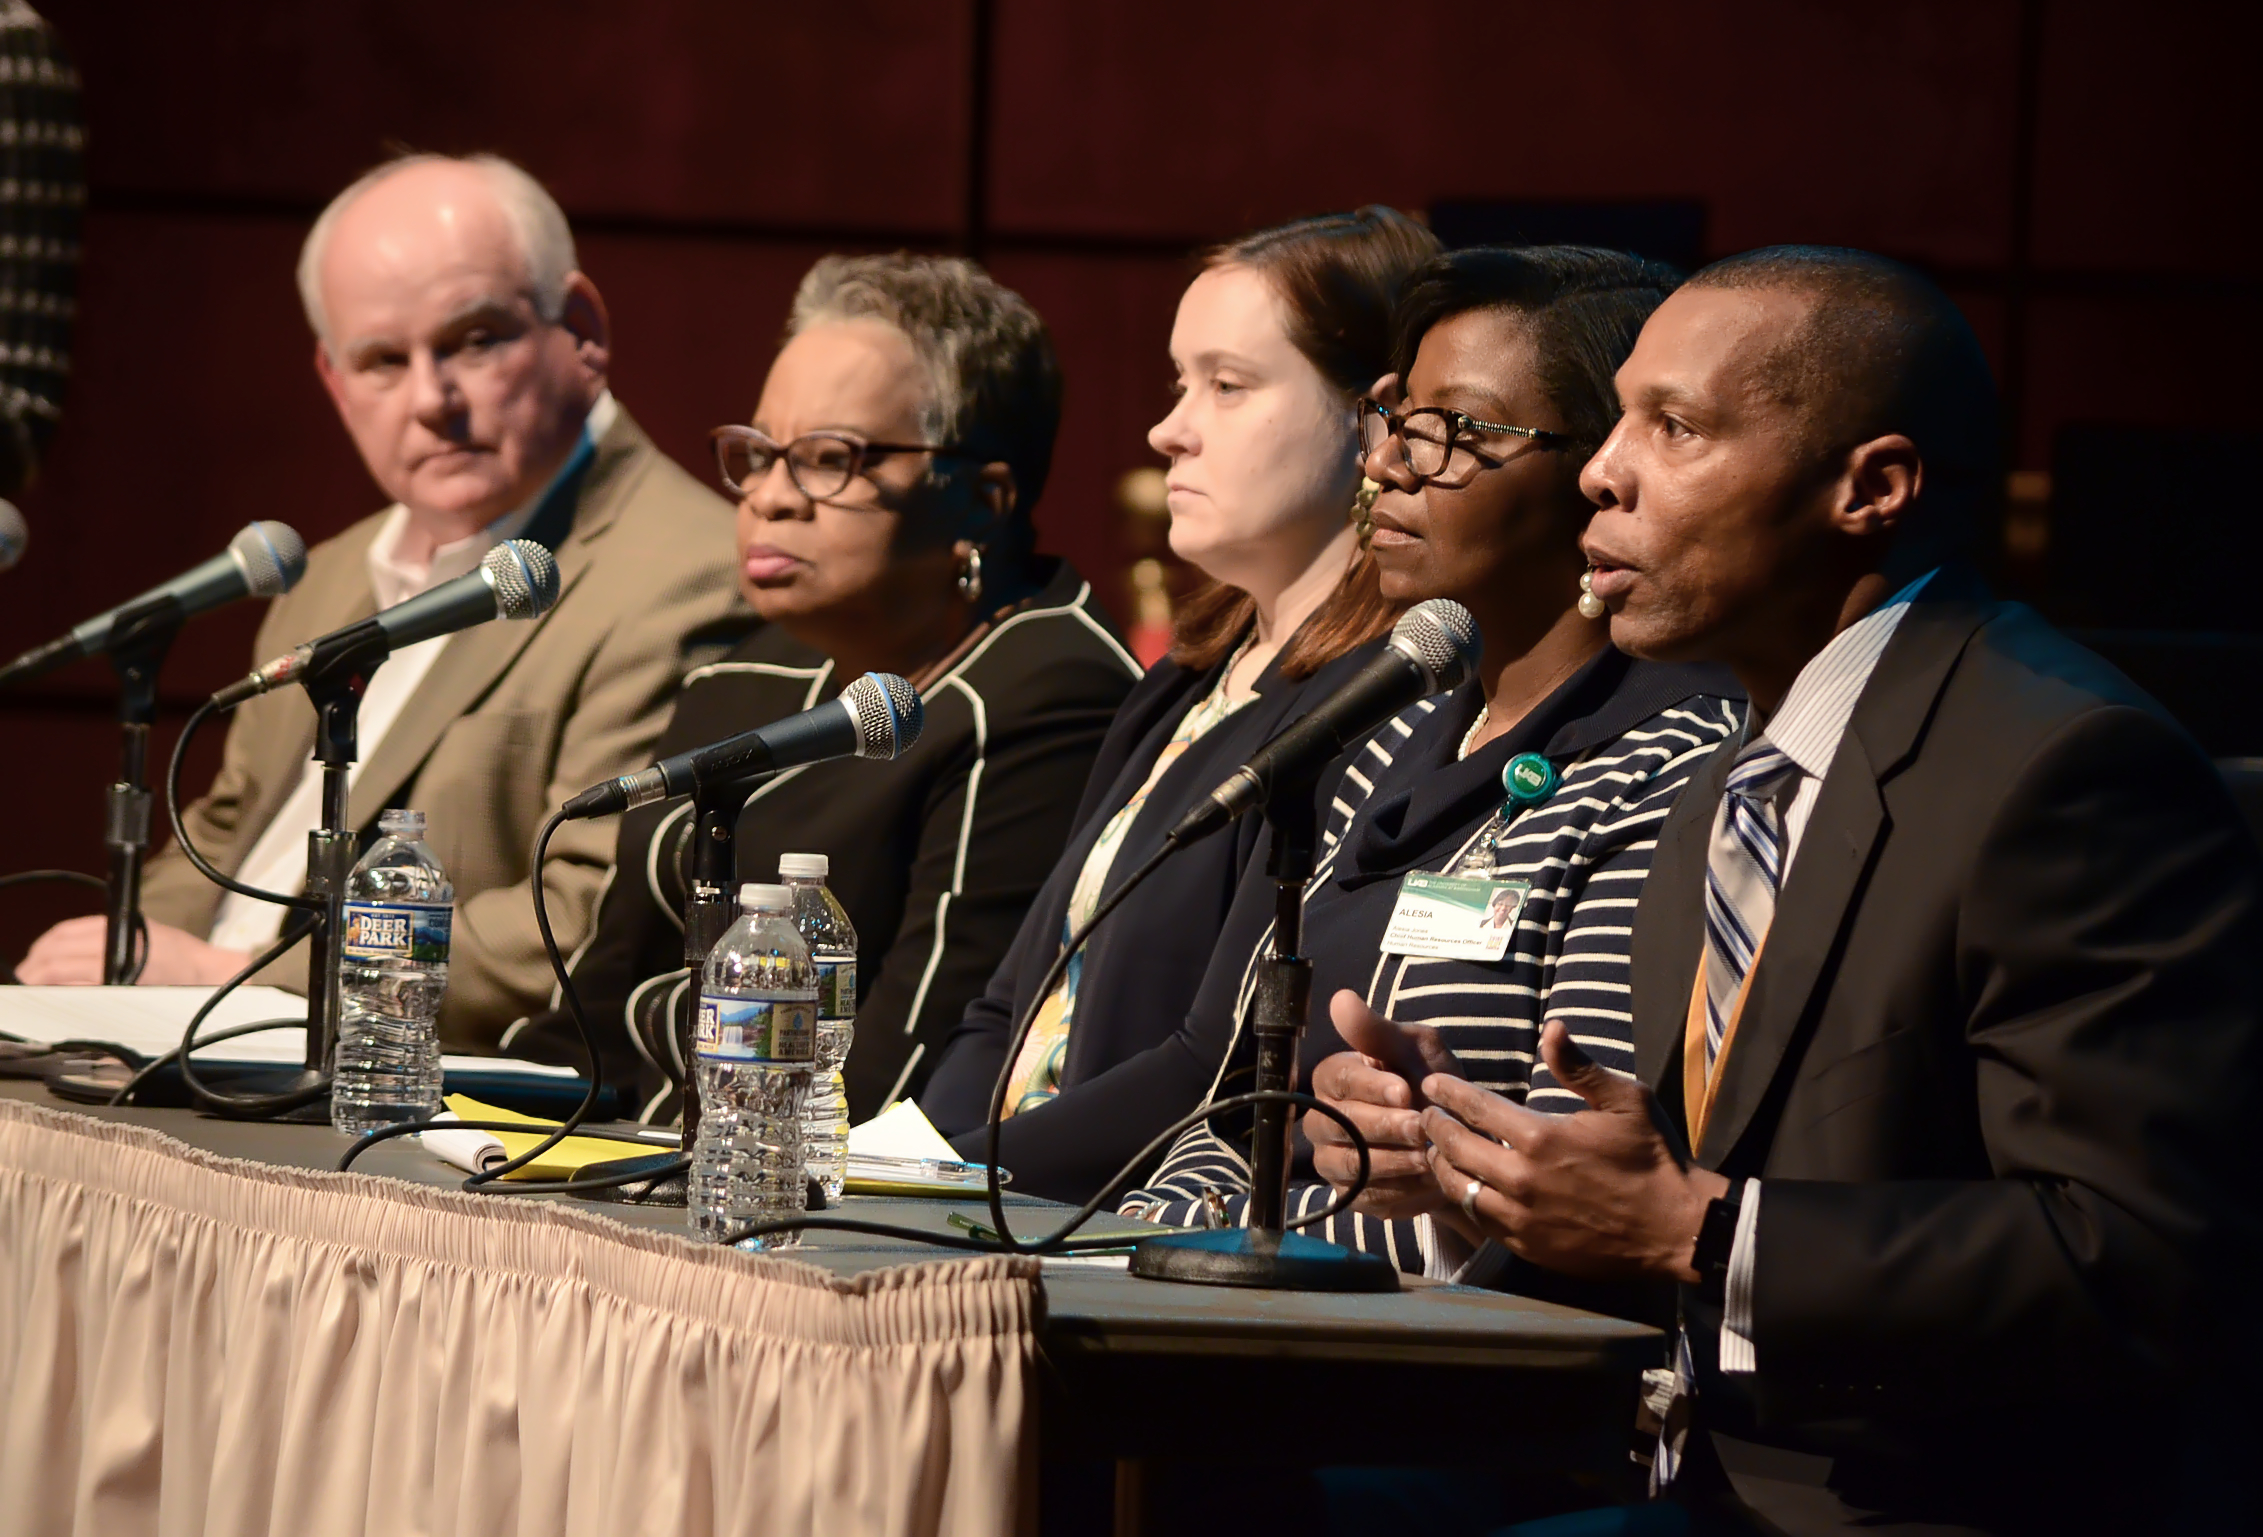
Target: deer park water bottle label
836 989
756 1029
384 931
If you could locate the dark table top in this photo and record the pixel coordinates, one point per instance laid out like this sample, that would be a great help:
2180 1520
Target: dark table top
1135 1367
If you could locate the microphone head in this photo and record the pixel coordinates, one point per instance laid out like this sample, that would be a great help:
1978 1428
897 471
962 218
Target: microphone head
888 714
1440 637
272 557
15 533
525 578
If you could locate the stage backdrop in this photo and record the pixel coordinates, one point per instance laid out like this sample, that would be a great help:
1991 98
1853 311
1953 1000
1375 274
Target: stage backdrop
2067 169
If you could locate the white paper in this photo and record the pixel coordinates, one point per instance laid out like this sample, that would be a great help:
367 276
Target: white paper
149 1020
475 1152
900 1131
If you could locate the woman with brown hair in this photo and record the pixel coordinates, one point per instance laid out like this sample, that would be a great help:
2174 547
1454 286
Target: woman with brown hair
1277 338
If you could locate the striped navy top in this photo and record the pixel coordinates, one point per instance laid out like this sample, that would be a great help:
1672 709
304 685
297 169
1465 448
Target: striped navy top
1624 736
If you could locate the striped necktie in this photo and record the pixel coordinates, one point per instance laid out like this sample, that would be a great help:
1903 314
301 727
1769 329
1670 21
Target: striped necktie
1743 870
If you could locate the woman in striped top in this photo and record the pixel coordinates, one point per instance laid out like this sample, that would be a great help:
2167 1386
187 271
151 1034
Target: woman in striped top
1538 786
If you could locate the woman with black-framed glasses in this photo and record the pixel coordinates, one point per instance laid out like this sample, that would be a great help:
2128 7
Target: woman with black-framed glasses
884 488
1486 858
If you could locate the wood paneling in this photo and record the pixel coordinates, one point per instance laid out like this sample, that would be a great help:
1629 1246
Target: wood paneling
1883 125
850 113
1111 321
2149 139
2162 362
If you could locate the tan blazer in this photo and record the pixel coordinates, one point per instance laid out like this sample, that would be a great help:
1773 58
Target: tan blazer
512 719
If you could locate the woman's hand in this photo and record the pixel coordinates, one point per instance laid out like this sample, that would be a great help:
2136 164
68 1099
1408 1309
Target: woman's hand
71 954
1376 1085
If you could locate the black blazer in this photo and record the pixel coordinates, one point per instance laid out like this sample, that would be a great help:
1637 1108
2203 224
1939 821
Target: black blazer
1999 1074
1143 966
935 855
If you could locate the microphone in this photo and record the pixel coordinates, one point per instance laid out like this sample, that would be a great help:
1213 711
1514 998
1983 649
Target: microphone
15 533
877 716
517 580
1433 648
264 561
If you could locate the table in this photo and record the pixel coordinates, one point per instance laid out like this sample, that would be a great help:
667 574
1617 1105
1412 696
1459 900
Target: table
1133 1370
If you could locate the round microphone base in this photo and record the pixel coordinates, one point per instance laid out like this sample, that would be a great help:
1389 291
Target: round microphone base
1272 1261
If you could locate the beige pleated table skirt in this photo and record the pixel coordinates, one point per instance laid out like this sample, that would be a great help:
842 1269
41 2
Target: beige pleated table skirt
204 1330
194 1343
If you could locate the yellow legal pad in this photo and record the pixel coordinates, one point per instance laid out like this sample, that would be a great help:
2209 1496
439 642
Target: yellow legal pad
868 1173
561 1161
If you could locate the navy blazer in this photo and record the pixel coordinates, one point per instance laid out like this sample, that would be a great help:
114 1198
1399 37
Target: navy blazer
1143 966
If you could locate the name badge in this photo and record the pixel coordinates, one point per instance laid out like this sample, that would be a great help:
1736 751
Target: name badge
1455 917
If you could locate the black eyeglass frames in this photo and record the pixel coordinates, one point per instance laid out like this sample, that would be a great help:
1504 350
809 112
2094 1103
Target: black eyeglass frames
821 464
1428 435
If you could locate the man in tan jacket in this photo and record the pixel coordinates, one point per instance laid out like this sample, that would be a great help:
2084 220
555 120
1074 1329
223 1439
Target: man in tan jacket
467 357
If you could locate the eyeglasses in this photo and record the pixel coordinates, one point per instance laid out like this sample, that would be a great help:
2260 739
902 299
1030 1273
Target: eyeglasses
1428 435
821 464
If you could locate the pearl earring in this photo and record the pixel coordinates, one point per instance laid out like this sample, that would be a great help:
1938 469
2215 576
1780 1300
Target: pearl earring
1590 606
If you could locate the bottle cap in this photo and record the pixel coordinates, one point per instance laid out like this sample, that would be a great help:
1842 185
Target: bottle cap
401 822
755 896
804 867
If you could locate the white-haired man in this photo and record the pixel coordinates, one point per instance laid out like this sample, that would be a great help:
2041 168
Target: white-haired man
467 357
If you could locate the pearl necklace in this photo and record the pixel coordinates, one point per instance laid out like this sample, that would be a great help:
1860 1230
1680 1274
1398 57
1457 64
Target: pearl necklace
1469 737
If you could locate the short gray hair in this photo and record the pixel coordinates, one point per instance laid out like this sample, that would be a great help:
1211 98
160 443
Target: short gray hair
995 382
545 240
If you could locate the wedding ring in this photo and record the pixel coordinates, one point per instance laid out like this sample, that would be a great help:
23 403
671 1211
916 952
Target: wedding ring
1469 1199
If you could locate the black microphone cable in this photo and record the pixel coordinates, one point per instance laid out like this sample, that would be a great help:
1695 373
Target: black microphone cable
94 882
237 1107
484 1181
305 914
1061 1241
204 866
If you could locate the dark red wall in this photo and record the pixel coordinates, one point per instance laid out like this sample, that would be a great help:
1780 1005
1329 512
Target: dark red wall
2077 173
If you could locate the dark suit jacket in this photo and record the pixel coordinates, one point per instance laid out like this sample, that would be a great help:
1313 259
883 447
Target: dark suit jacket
1999 1072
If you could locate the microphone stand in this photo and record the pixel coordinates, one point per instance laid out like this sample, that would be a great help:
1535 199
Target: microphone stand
139 639
1265 1254
335 689
711 906
330 852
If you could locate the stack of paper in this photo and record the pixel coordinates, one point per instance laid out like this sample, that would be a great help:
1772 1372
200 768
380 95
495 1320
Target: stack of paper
148 1021
899 1152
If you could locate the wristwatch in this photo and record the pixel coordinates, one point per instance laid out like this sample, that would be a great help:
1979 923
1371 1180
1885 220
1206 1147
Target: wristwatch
1716 1239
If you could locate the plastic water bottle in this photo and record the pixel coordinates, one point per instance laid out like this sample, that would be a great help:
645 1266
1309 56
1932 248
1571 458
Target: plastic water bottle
825 928
392 971
756 1042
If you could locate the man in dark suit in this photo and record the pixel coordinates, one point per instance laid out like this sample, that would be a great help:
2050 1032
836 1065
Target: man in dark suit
1947 972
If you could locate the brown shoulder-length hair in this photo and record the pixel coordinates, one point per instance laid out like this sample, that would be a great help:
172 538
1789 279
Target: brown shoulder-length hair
1338 276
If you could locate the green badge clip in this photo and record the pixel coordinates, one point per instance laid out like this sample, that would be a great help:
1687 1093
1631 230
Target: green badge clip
1529 779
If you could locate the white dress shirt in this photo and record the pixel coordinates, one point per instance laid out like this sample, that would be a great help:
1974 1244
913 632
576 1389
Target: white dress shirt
277 861
1806 728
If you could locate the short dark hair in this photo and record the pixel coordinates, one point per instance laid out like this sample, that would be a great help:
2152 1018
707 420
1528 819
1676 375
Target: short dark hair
996 383
1881 350
1584 307
1336 275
